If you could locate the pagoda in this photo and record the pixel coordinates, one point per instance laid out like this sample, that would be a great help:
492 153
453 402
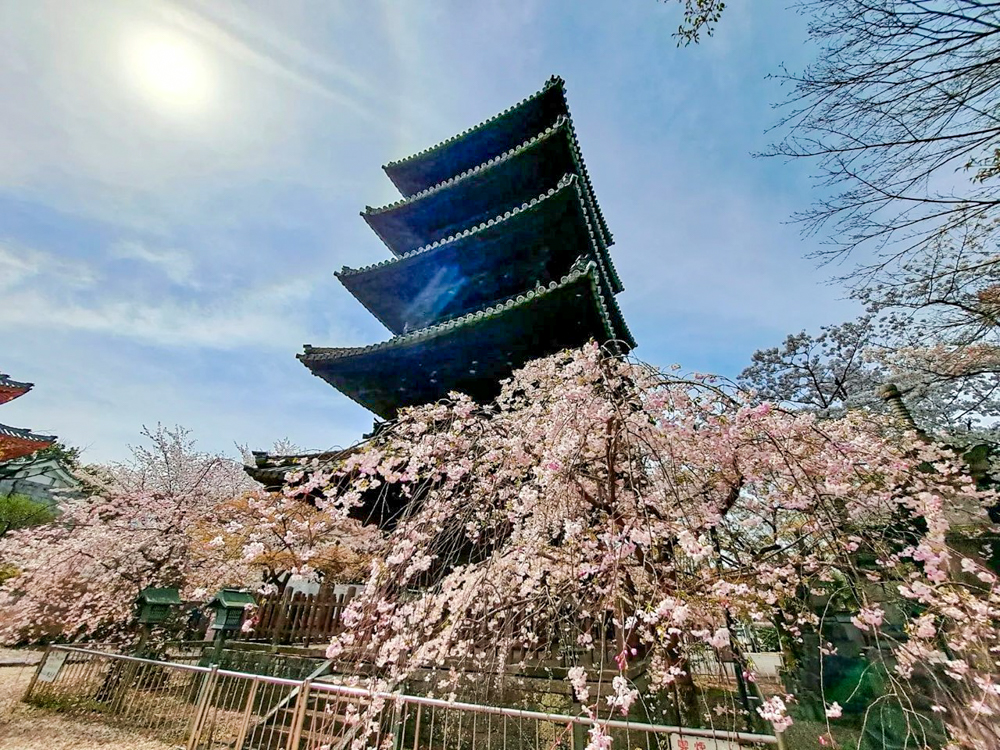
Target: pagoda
499 256
16 442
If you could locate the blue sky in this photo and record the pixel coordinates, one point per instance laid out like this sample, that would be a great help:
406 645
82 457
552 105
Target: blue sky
165 259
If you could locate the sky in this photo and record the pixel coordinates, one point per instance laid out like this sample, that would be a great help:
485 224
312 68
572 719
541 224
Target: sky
180 179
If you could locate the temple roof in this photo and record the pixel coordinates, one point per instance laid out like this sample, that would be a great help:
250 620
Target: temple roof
15 442
490 189
534 244
380 506
270 468
17 432
473 353
479 144
11 389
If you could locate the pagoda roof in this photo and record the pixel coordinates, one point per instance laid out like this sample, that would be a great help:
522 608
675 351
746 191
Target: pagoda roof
11 389
15 442
473 353
17 432
490 189
491 262
480 143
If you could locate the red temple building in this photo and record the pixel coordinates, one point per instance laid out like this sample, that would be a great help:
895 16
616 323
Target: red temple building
14 441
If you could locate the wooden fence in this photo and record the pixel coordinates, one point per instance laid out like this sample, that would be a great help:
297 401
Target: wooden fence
294 617
298 619
305 620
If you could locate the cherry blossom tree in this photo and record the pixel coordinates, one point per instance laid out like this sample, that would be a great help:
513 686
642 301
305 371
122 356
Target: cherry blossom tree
827 373
81 574
283 537
600 502
951 386
171 516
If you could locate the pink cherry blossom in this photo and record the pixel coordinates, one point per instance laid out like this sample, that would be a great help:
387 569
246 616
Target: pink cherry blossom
679 508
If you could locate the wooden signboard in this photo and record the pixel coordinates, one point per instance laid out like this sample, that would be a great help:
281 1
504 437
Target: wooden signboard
680 742
53 663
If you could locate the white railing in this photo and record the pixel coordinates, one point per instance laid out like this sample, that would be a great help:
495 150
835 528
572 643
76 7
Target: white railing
207 708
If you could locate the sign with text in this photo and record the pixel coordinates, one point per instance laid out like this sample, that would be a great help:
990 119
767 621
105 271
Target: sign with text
53 663
686 742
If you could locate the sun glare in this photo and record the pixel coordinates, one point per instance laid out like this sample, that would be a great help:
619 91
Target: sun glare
169 70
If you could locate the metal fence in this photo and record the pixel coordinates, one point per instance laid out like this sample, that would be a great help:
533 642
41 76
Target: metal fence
206 708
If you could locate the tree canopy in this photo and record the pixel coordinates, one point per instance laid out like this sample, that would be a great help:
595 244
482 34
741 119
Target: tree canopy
898 114
170 516
598 497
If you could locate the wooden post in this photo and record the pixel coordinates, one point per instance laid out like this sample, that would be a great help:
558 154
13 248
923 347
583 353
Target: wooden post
144 631
278 620
295 620
220 639
310 616
263 617
338 612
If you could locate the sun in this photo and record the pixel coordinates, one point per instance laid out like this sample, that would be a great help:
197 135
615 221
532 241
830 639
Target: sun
169 70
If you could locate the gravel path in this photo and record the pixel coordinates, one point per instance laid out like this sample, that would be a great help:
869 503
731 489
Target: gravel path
25 728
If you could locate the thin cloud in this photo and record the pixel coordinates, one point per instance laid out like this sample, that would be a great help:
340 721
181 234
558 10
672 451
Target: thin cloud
263 318
244 37
44 292
15 267
177 265
20 264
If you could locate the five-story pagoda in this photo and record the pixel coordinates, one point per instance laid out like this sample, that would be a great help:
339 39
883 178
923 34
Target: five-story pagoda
500 256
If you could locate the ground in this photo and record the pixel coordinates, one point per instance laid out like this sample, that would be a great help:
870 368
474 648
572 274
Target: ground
26 728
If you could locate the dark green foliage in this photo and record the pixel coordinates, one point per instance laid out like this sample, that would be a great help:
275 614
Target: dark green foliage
67 455
766 639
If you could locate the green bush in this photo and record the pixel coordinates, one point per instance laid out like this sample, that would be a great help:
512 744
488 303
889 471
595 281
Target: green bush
21 512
